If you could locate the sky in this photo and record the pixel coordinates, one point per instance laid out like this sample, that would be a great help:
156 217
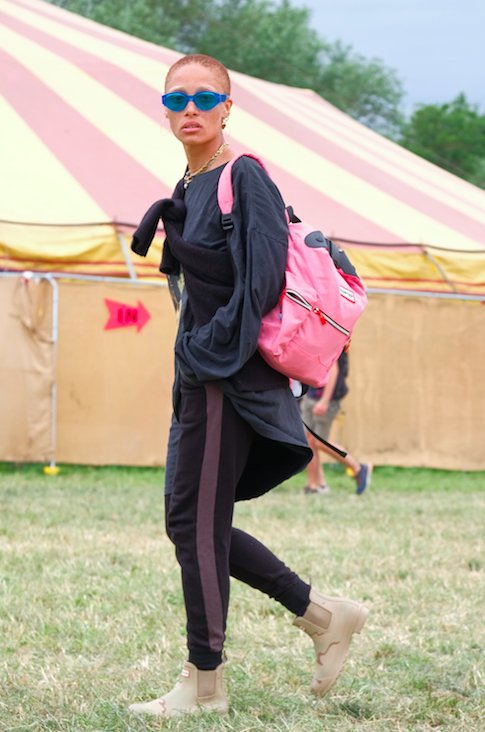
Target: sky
437 47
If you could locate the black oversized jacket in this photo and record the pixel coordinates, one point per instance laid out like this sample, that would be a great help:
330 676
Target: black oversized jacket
219 326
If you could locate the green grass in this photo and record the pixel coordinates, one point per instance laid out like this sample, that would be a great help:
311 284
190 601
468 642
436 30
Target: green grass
91 615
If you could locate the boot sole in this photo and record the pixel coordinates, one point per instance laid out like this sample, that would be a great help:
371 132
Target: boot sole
163 714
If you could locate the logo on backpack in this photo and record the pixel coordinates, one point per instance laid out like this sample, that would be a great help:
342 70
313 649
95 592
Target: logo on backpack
347 293
305 333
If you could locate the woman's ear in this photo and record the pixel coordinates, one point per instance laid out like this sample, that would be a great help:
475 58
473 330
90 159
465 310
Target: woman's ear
227 107
227 110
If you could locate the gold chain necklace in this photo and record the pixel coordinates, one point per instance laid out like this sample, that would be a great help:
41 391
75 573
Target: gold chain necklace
188 177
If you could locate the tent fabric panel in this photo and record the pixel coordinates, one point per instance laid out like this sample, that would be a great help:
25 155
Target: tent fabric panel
61 32
71 20
417 393
403 407
114 386
428 270
26 370
88 250
132 143
151 51
420 172
315 207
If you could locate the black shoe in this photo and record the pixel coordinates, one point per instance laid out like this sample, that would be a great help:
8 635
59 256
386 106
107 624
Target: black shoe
363 477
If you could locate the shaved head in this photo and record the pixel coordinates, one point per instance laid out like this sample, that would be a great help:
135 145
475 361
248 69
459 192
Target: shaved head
208 62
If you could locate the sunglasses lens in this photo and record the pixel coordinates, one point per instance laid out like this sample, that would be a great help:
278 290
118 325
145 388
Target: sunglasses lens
176 101
206 100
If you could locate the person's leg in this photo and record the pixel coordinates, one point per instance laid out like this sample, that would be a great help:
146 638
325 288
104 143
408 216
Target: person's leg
361 472
313 469
212 451
320 424
213 448
316 482
315 475
254 564
330 622
349 461
171 457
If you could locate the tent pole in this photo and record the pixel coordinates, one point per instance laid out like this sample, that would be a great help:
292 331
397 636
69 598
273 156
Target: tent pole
126 254
440 269
52 469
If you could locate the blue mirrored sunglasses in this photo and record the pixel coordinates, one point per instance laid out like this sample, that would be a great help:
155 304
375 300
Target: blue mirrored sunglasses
203 100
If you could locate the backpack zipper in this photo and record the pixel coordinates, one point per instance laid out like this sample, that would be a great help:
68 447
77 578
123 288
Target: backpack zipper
324 318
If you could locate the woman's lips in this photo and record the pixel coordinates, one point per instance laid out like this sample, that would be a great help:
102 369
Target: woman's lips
191 127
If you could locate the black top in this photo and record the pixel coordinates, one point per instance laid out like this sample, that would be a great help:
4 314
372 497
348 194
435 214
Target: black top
230 283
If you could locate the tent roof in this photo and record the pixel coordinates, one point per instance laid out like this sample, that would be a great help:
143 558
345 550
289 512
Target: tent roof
84 142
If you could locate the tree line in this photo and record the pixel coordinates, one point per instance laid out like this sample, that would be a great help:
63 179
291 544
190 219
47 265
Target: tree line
275 41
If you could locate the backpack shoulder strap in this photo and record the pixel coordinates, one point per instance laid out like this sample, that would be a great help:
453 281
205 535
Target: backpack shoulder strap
225 194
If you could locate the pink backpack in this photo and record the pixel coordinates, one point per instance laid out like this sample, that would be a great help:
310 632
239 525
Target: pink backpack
305 333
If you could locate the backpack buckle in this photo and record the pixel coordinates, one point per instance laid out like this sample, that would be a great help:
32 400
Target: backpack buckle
226 222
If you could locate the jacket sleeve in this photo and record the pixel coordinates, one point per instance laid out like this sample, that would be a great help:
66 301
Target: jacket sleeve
258 245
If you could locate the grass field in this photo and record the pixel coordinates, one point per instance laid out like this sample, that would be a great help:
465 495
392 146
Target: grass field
91 616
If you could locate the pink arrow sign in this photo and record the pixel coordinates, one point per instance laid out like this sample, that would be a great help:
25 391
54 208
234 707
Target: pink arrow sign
124 316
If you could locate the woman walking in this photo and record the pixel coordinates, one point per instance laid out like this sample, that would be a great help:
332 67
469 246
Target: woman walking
237 432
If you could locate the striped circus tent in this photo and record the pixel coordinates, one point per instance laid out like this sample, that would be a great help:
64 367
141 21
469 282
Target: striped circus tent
85 149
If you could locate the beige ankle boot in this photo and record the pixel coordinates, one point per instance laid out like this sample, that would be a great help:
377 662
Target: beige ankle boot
330 622
195 691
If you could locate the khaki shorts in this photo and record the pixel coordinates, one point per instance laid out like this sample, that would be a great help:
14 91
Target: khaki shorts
319 424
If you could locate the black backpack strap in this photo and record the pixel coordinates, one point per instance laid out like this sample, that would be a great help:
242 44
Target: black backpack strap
336 449
292 215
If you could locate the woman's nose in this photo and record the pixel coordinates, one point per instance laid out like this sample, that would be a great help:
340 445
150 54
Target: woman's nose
191 108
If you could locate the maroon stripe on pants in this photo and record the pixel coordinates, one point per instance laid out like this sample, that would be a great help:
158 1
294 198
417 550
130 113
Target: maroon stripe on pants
212 452
206 556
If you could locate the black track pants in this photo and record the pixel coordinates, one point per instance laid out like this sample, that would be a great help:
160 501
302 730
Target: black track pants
213 449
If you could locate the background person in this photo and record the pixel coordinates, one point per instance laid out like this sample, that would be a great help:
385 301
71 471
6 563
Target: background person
319 408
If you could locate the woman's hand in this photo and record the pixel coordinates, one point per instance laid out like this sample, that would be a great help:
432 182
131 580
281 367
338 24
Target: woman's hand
320 408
